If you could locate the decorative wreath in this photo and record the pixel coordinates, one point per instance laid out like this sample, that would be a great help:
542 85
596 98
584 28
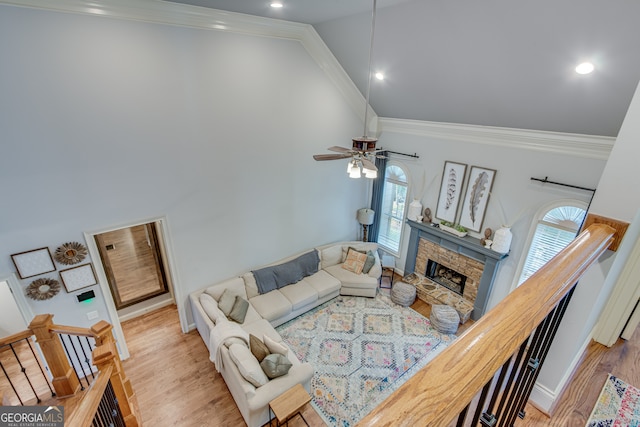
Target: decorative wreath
70 253
42 289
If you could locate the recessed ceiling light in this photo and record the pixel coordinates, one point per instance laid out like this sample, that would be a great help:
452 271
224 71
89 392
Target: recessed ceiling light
276 4
379 76
584 68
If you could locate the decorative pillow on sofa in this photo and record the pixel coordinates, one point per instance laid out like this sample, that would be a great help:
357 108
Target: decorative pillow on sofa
258 348
355 261
226 301
275 365
239 310
210 307
248 365
275 347
371 260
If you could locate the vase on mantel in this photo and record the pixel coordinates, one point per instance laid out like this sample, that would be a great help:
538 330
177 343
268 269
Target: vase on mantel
502 240
415 210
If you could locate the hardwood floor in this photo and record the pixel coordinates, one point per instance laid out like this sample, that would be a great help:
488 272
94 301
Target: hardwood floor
176 384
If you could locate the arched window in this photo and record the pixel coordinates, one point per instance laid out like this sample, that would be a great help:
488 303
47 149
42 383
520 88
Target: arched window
394 196
555 229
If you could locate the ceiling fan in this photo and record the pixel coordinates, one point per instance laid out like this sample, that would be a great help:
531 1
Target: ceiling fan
363 150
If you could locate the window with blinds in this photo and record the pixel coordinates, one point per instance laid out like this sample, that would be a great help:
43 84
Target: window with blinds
554 232
393 209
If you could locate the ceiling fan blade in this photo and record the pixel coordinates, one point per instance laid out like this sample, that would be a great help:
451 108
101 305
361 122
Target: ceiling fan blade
331 156
340 149
368 165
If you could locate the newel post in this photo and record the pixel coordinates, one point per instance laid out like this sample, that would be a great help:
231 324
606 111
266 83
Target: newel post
65 381
105 354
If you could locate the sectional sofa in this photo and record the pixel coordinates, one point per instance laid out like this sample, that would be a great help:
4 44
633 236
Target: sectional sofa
275 294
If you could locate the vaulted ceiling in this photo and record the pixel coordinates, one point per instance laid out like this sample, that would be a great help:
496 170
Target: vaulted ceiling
492 62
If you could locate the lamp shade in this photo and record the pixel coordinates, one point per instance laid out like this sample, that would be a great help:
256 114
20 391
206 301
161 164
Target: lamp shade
365 216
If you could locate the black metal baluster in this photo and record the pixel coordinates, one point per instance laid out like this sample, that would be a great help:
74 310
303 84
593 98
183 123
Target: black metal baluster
488 418
87 359
558 315
480 405
11 383
75 351
515 368
53 393
24 372
462 416
66 350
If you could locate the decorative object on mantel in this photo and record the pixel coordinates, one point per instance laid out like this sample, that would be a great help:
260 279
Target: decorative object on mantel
487 238
365 217
79 277
476 198
502 240
70 253
455 229
427 216
450 189
43 289
415 208
34 262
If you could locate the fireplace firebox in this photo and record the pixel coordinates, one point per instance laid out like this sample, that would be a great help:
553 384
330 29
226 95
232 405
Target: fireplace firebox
447 277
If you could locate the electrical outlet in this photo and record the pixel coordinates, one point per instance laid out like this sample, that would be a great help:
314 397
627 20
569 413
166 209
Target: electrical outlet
92 315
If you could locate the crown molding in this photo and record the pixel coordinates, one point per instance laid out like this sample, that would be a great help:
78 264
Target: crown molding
588 146
164 12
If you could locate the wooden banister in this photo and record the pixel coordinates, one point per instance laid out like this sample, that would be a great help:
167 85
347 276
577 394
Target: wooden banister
83 414
444 387
105 357
15 338
65 381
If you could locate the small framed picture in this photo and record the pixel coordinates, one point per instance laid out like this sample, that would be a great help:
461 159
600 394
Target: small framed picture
33 263
450 189
78 277
476 197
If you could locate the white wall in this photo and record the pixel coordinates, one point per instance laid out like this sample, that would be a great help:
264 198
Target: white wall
512 188
108 121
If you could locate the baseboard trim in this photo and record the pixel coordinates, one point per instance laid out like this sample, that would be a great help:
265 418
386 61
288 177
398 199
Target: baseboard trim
145 310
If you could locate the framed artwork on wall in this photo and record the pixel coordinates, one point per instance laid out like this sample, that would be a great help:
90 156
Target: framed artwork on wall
450 189
476 197
78 277
33 263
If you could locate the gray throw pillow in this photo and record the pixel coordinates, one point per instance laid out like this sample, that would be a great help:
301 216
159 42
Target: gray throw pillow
227 299
239 309
371 259
275 365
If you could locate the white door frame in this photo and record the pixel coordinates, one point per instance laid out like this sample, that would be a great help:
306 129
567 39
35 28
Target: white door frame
19 297
104 283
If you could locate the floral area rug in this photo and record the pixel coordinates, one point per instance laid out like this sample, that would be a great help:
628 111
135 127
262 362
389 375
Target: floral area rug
617 406
362 350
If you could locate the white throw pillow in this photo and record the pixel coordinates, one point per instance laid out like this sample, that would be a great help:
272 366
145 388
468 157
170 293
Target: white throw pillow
275 347
331 256
210 306
248 365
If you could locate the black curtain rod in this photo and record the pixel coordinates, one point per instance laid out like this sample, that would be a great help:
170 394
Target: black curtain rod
414 155
546 181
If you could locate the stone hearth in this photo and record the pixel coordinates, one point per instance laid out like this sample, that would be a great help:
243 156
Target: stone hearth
464 255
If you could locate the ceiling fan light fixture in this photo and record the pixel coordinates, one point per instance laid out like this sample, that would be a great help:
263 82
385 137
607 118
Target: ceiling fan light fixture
368 173
354 172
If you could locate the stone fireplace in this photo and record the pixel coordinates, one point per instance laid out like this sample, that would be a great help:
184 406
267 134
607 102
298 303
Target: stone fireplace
446 269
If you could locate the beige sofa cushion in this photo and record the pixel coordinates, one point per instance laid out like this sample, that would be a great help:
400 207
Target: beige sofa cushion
331 256
324 283
272 305
210 307
248 365
235 286
250 285
350 279
300 294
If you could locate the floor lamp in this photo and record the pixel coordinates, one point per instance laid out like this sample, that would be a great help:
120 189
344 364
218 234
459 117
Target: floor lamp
365 217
